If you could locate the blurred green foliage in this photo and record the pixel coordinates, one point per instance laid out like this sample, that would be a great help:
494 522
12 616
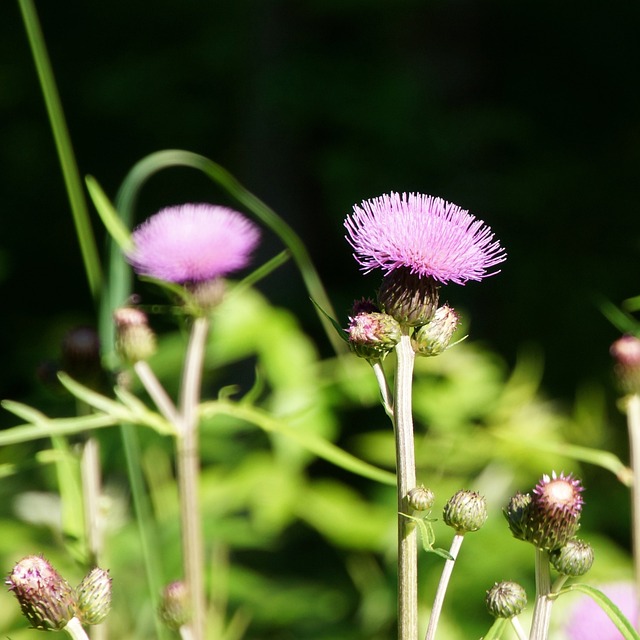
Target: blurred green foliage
297 547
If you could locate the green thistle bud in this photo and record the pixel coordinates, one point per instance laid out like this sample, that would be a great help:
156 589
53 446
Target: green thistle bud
518 513
94 596
573 559
420 498
175 605
433 338
466 511
626 353
134 339
373 335
47 600
506 599
410 299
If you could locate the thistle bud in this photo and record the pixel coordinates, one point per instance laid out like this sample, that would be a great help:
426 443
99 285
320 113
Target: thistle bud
465 511
175 605
550 517
81 355
134 339
407 297
47 600
626 353
373 335
518 513
433 338
420 498
573 559
506 599
94 596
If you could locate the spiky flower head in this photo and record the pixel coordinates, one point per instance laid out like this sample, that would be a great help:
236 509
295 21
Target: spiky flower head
47 600
626 354
192 243
434 338
506 599
550 516
134 338
426 235
573 559
94 596
465 511
175 605
372 335
420 498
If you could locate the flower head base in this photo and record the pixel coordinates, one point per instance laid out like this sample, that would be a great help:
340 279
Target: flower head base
47 600
426 235
410 299
506 599
192 243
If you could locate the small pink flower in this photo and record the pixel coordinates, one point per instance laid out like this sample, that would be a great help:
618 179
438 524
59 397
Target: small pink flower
589 622
192 243
430 237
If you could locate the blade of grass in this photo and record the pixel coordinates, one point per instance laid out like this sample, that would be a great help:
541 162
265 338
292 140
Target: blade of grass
63 146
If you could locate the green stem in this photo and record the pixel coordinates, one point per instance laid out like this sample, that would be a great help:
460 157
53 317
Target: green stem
633 425
442 586
517 627
62 139
188 475
406 480
156 391
75 630
544 601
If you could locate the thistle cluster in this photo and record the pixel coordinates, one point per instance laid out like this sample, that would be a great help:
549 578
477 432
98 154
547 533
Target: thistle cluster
49 602
549 516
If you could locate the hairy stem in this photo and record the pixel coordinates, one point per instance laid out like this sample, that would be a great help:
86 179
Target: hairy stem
544 602
633 424
406 480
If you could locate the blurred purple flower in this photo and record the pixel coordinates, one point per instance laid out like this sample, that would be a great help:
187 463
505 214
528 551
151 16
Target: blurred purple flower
192 243
430 237
589 622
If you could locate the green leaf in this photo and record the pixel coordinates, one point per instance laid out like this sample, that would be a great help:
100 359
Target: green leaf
109 215
336 325
320 447
427 536
616 616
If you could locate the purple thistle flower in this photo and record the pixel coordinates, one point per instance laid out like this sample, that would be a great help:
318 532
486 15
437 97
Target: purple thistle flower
430 237
589 622
192 243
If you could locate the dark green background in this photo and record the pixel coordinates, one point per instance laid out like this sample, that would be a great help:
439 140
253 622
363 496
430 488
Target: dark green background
526 113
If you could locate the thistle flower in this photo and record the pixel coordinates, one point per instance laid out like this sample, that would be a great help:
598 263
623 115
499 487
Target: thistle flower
47 600
506 599
550 516
192 243
426 235
589 622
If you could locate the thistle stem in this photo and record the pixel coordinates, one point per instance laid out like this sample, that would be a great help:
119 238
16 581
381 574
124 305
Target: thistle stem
406 480
75 629
633 425
188 460
442 586
156 391
544 602
385 392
